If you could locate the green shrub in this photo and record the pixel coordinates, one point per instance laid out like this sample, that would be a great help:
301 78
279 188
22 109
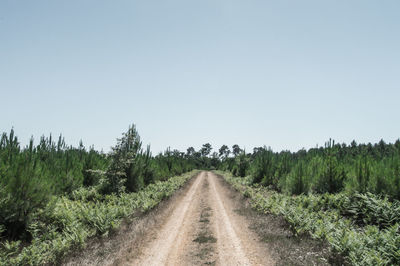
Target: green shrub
67 222
263 168
376 241
297 182
21 194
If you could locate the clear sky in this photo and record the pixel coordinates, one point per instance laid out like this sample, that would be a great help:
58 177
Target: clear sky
286 74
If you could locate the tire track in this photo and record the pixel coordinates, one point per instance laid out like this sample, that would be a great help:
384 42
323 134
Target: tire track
165 248
230 249
202 228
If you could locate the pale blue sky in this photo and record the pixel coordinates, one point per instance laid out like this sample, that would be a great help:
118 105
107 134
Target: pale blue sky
286 74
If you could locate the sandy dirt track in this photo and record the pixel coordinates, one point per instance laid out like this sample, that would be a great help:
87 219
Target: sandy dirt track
202 228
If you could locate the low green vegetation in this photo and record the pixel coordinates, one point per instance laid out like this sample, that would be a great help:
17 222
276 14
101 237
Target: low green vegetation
331 169
54 197
68 221
363 228
347 195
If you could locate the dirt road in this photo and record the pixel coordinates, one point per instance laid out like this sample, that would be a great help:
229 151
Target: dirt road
201 228
205 222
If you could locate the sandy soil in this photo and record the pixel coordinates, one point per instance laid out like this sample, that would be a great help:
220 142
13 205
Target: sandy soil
201 228
206 222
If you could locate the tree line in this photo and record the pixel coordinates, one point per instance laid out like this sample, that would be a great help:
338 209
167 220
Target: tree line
32 175
334 168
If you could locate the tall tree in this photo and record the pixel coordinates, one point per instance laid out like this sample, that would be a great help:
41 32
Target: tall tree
236 150
206 149
190 151
224 151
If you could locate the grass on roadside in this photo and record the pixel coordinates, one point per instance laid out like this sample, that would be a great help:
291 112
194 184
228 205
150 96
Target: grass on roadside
322 217
68 222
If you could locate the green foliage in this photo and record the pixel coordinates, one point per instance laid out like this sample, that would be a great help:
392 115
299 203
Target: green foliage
331 169
206 149
132 168
263 168
296 182
174 162
236 150
224 152
241 166
67 222
91 176
53 197
29 176
363 228
123 172
363 173
332 176
369 209
19 199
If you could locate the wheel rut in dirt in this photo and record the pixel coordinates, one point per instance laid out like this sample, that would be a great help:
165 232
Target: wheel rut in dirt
202 228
